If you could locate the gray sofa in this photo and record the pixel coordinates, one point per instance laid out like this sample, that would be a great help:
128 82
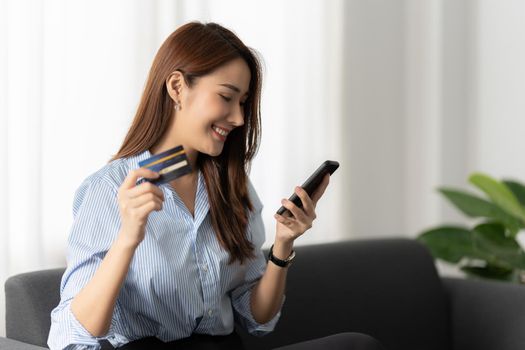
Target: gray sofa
387 288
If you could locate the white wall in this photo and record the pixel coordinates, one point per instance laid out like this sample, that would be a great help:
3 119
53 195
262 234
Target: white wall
373 89
500 76
433 92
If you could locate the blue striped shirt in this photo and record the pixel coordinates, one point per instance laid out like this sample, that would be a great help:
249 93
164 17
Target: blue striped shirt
179 281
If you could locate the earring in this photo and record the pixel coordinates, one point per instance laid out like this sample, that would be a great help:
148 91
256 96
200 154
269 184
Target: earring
177 106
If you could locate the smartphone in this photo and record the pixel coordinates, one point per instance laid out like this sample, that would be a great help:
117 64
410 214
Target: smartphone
311 184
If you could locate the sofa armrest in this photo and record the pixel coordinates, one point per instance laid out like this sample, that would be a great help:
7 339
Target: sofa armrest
10 344
486 314
30 297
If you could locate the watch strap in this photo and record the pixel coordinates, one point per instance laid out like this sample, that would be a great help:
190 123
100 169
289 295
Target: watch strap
279 262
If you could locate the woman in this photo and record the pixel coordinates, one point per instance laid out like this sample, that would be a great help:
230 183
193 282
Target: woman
180 262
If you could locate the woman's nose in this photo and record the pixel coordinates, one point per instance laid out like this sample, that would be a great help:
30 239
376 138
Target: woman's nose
237 117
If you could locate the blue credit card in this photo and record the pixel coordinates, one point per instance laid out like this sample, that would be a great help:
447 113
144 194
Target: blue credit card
170 164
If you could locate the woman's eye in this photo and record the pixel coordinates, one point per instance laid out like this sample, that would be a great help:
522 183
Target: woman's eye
225 98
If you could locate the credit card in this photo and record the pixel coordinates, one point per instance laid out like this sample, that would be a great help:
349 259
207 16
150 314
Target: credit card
170 164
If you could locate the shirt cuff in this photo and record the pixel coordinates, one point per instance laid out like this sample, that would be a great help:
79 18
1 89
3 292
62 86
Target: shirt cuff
115 339
68 333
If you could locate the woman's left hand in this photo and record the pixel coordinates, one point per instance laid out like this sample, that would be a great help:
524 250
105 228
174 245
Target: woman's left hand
291 227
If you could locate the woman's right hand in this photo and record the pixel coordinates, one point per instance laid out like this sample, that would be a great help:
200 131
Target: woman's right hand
136 203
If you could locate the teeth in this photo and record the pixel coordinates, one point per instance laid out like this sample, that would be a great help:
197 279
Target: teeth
219 131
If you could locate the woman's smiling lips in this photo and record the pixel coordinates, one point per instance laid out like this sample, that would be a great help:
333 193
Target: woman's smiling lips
220 132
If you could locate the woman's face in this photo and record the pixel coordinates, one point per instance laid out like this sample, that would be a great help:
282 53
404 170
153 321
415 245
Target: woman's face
215 101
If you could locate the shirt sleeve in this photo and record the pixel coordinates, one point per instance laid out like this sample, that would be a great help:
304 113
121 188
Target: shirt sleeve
96 222
256 268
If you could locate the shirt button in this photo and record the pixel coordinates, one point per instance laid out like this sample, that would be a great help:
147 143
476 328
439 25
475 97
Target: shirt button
210 312
205 268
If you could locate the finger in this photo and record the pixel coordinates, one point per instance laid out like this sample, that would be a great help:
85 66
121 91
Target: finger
132 177
297 212
318 193
143 188
145 198
308 205
288 221
147 208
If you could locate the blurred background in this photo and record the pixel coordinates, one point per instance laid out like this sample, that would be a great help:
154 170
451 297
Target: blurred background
407 95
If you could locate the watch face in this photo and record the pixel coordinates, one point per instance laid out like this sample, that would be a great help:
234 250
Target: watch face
290 258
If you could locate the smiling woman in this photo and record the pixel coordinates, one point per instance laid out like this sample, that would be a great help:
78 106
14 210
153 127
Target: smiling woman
177 263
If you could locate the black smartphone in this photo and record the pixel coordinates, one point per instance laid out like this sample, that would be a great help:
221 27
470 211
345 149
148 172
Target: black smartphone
310 185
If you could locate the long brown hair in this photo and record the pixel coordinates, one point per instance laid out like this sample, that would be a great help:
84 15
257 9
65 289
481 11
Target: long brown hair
196 49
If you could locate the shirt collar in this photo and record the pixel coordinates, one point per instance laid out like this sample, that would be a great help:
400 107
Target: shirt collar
201 200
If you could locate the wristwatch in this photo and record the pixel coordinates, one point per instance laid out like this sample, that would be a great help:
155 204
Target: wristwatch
279 262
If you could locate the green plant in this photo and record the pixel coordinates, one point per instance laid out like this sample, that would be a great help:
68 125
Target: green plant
489 249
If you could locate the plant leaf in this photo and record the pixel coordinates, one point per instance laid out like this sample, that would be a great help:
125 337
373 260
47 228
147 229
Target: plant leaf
449 243
491 272
500 194
469 204
517 189
490 239
474 206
